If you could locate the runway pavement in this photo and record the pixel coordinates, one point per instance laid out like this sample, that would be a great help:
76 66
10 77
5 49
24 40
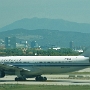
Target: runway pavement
52 80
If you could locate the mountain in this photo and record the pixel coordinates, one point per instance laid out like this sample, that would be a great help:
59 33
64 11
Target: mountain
45 23
45 37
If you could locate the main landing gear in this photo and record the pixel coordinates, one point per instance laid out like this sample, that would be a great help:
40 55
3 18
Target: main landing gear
20 79
40 78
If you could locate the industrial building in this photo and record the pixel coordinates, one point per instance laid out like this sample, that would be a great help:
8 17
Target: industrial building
10 42
34 44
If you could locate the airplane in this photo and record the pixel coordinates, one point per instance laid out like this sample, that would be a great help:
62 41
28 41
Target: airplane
35 66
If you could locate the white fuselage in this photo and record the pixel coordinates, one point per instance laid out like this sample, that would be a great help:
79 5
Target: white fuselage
47 64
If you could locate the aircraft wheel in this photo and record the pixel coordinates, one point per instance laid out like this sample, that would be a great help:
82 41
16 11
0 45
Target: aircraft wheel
40 78
20 79
45 79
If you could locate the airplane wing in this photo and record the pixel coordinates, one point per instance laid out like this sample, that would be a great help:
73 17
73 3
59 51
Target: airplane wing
13 70
6 67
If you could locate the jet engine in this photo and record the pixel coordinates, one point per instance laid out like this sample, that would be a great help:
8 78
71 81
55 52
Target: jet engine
2 74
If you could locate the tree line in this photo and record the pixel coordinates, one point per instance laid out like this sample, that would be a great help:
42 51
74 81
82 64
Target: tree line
38 52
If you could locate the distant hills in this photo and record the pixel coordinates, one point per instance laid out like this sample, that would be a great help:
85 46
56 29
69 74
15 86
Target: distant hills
48 32
50 24
45 37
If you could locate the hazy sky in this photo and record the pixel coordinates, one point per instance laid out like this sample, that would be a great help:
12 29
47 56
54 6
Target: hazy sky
71 10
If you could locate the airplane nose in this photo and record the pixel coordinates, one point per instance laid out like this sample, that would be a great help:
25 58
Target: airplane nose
89 59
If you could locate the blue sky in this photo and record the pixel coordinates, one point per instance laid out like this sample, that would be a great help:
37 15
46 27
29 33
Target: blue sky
71 10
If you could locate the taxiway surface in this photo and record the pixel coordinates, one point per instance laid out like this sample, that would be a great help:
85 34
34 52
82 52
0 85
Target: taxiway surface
52 80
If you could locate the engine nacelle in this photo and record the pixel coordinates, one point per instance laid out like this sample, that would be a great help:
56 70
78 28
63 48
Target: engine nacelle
2 74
